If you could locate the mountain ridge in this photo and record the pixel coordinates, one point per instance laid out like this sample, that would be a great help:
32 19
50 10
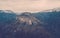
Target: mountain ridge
48 10
33 25
52 10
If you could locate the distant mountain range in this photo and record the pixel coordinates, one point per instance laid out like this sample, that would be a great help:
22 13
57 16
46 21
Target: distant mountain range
49 10
6 11
52 10
45 24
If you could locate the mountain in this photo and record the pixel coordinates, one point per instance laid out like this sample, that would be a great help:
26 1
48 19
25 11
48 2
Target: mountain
6 19
30 25
24 25
6 11
51 21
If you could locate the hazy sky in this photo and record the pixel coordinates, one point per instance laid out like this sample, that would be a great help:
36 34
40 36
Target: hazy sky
28 5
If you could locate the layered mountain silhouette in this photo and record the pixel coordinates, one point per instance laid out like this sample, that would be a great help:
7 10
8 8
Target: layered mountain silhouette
51 21
6 11
24 25
52 10
29 25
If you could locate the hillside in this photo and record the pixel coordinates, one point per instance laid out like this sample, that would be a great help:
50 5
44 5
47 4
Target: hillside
45 24
24 25
51 21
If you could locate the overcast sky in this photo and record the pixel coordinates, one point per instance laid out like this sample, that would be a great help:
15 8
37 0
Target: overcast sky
28 5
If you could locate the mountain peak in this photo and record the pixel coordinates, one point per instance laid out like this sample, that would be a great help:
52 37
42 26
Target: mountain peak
28 19
26 13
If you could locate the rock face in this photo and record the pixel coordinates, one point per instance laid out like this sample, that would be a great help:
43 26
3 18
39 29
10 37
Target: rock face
27 22
25 26
28 19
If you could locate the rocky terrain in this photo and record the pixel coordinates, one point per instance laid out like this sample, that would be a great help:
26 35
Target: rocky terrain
29 25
